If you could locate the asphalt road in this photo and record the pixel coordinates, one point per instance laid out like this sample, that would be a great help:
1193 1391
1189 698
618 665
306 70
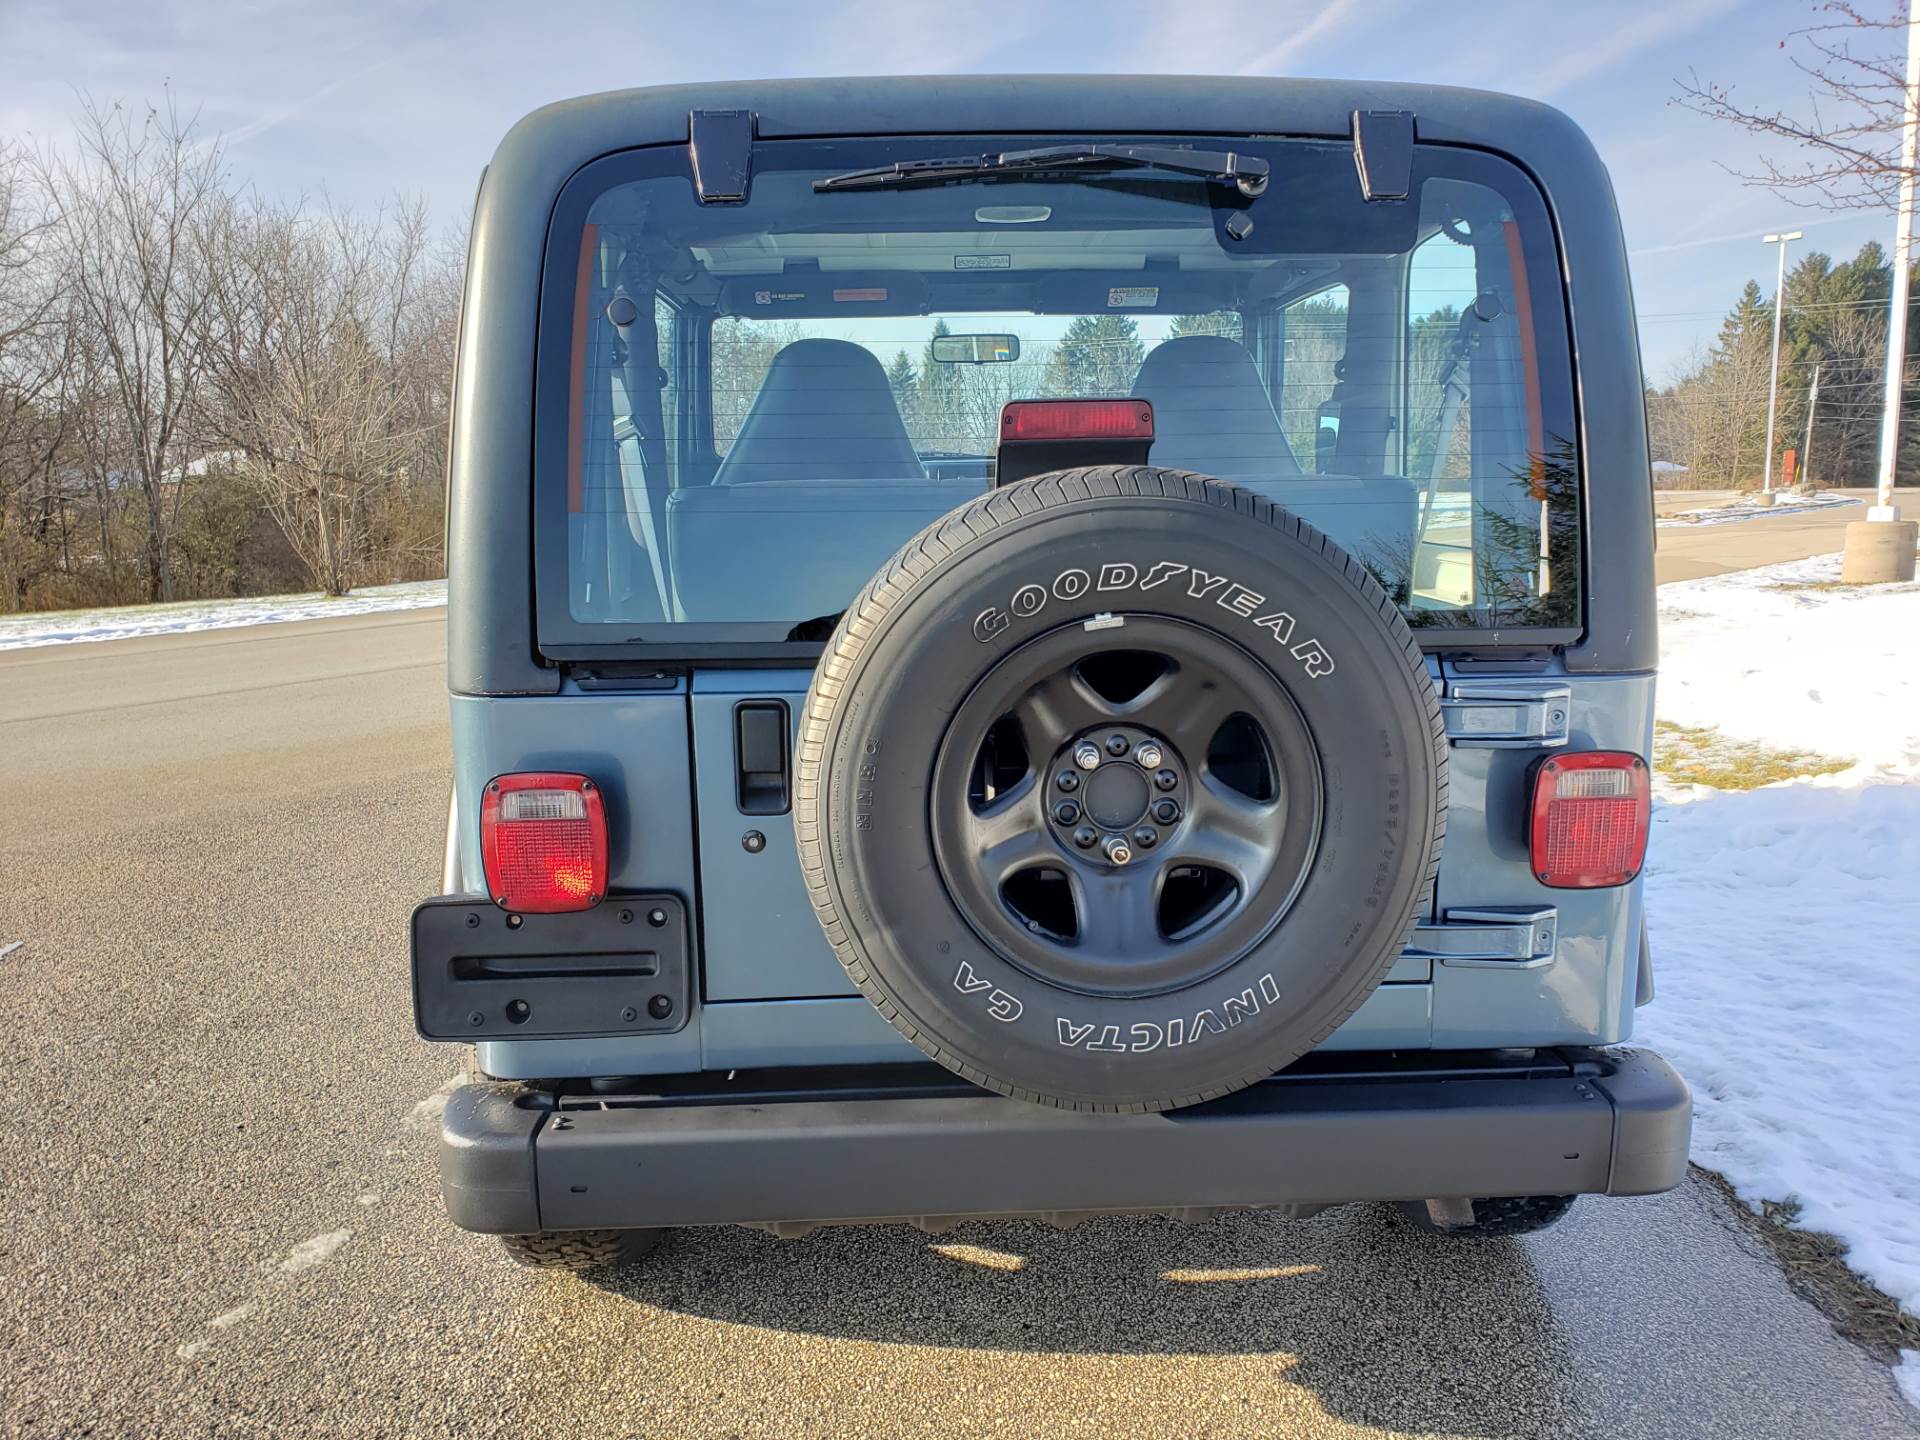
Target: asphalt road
221 1216
1692 552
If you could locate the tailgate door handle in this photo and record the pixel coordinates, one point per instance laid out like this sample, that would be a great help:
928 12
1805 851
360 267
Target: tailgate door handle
762 757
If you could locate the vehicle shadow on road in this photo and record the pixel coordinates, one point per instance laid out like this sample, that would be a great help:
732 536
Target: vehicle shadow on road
1388 1327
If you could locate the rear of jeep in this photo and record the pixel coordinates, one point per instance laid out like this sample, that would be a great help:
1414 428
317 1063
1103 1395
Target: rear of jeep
1045 647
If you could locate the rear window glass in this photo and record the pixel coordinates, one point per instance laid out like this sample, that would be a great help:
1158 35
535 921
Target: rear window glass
745 409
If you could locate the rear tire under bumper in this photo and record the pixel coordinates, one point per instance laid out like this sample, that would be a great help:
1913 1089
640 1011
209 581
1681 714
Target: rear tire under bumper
516 1160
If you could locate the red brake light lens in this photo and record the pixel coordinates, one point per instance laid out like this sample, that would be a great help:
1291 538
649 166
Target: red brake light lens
1076 420
1591 812
543 838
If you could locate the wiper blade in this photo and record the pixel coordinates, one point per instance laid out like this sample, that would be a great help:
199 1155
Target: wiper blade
1246 173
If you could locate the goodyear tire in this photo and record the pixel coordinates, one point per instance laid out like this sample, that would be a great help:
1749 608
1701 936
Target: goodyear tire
1010 879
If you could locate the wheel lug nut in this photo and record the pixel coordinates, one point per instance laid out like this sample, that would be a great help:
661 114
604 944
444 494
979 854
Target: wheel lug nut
1085 836
1116 850
1166 811
1146 837
1068 781
1148 756
1086 755
1116 745
1066 812
1165 779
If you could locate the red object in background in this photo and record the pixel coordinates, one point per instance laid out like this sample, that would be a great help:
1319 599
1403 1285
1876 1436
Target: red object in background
1591 812
543 839
1786 469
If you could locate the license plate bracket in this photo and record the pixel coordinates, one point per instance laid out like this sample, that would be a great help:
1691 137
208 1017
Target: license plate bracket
620 968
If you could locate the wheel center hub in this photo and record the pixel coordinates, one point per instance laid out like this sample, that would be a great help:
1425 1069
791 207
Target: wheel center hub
1117 792
1117 796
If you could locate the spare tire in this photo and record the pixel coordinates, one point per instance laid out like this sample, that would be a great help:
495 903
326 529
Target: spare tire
1120 788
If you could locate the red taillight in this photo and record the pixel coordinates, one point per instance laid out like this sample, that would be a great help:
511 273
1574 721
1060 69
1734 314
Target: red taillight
543 838
1076 420
1590 816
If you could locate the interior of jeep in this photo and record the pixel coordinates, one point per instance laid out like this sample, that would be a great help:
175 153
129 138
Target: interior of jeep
768 399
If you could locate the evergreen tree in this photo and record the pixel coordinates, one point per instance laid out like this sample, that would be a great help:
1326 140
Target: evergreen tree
904 381
1099 355
1214 322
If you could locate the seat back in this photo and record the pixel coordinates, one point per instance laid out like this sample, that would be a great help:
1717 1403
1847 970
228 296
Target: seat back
824 412
1211 410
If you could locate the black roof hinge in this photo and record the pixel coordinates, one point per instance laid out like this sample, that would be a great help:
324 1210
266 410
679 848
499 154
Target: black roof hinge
721 142
1383 153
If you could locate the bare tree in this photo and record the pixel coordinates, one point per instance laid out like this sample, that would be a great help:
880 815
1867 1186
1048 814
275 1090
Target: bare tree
1850 132
128 210
326 349
31 365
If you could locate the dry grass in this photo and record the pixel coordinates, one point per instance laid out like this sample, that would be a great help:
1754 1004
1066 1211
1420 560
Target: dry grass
1882 587
1701 755
1816 1267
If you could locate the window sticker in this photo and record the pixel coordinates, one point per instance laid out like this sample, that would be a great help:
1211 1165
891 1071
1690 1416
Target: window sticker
983 262
1133 297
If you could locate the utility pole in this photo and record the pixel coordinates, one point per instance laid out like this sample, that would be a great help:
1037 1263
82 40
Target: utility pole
1881 547
1773 373
1902 264
1806 450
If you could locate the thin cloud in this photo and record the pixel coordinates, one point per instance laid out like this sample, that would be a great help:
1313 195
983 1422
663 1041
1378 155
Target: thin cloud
1627 40
1751 233
1334 18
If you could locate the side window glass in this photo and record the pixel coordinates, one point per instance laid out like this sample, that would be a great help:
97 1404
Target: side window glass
1441 286
1314 337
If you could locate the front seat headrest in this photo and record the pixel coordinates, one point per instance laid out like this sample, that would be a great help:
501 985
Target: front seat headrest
824 412
1212 411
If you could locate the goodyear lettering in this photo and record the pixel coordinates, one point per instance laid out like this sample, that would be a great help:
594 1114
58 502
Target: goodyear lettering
1119 575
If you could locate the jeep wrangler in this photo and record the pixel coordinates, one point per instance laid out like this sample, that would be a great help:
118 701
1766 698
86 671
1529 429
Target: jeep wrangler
974 605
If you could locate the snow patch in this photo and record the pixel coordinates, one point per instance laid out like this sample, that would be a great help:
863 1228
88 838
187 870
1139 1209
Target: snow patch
1907 1375
232 1317
124 622
314 1251
1783 919
1760 657
1727 514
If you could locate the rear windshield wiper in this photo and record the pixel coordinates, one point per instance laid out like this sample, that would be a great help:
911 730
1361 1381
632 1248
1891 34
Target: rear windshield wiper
1246 173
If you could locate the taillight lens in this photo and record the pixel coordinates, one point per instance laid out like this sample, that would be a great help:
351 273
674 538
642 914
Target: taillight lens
543 838
1076 420
1591 811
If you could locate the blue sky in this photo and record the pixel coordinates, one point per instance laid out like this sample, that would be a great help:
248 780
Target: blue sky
360 98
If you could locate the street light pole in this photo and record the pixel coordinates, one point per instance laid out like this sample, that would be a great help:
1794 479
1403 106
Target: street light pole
1773 373
1806 450
1880 548
1897 316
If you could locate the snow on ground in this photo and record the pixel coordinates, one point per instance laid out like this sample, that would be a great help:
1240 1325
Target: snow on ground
1785 921
124 622
1784 656
1747 510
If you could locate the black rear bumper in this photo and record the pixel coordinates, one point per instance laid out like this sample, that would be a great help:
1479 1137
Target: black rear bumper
910 1146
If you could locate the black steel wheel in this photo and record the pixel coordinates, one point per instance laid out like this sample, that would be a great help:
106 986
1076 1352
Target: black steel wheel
1093 869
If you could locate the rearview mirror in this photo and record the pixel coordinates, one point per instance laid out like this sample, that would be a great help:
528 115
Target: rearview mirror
976 349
